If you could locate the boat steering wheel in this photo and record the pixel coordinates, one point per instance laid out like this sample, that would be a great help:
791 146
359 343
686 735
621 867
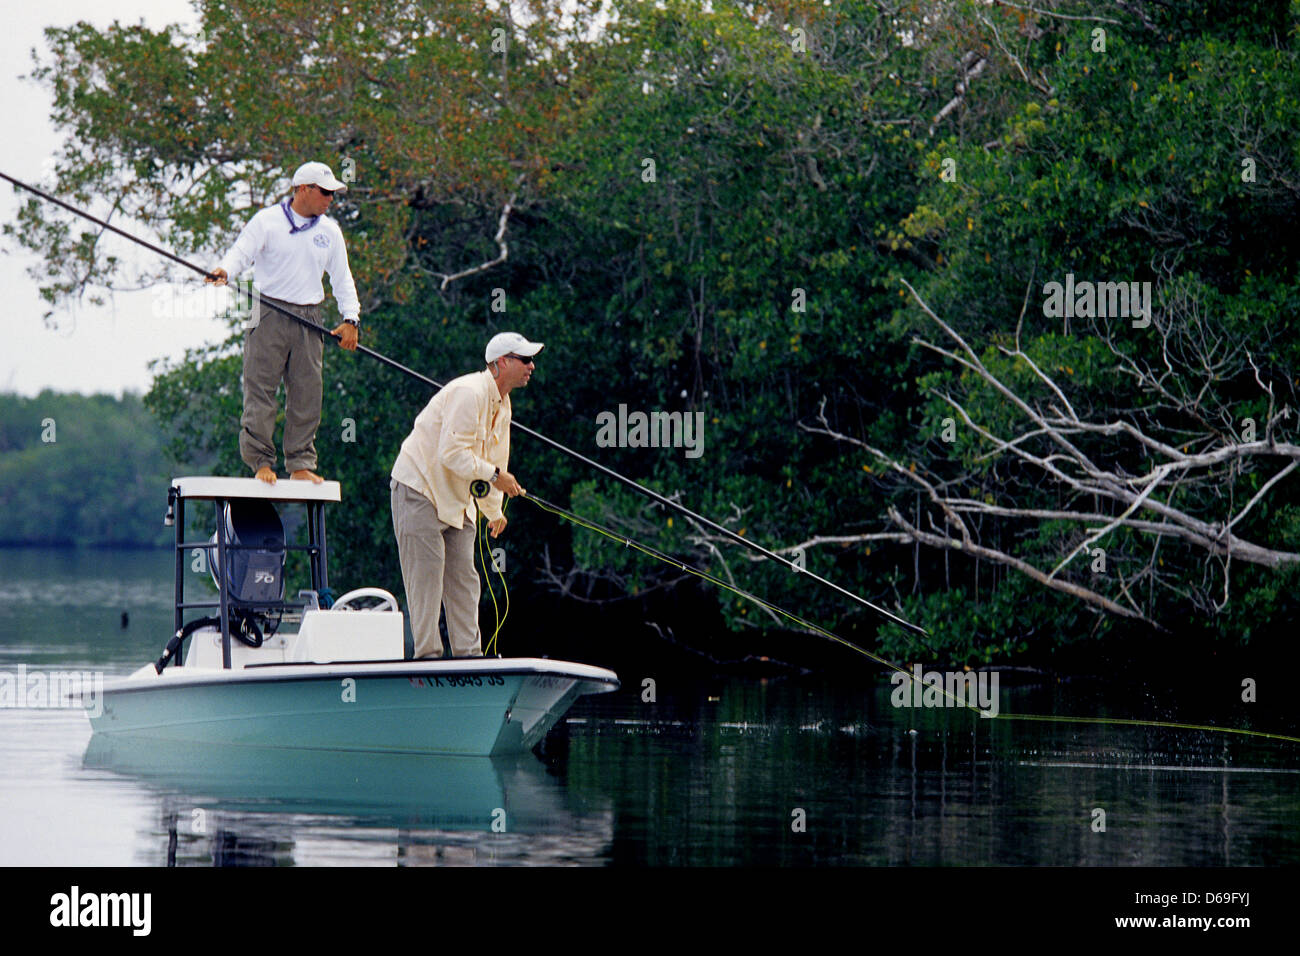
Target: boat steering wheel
387 601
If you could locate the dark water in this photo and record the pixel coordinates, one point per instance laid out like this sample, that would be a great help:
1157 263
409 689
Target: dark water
808 771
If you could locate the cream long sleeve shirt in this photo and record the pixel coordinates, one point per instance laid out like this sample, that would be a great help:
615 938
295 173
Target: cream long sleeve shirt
462 434
288 265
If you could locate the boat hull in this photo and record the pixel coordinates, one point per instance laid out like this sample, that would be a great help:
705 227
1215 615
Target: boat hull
457 707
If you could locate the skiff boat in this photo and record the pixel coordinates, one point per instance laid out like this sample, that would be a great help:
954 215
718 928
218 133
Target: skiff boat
315 673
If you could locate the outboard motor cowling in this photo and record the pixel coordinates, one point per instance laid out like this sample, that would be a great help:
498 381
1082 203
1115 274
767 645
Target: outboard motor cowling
255 551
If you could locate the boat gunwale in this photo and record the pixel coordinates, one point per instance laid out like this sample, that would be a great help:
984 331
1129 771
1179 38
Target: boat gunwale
272 672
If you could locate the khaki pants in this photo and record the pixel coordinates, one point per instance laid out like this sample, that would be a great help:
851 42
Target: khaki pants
278 348
437 570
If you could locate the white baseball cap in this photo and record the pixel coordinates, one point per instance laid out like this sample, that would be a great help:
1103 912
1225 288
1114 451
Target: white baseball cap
506 343
317 174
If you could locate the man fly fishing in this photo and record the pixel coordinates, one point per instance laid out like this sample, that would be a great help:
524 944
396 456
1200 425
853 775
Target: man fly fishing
461 437
289 246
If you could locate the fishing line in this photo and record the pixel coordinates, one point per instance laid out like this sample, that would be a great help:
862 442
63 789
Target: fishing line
490 646
1133 722
819 631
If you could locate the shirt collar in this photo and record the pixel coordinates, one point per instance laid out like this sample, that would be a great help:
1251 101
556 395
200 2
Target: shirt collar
494 395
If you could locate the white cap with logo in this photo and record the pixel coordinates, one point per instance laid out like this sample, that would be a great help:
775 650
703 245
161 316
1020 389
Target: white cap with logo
506 343
317 174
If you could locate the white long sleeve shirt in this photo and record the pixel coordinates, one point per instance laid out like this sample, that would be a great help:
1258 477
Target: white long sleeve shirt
288 265
462 434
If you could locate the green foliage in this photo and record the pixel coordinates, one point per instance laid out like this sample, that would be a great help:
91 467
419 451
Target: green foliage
1265 600
1004 627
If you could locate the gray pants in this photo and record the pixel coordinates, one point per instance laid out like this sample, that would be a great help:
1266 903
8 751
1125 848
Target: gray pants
279 348
437 570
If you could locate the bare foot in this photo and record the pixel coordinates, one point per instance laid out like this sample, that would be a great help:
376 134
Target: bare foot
265 474
303 474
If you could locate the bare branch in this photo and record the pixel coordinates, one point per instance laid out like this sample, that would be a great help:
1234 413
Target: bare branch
499 239
988 554
1052 13
963 85
1260 494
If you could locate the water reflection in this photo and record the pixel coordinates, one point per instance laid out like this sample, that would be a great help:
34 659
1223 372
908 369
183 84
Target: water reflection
257 806
804 773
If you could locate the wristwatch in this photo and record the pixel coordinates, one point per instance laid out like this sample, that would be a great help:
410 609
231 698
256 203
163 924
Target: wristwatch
496 473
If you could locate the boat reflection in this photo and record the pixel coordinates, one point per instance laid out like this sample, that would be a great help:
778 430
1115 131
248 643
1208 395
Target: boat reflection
226 805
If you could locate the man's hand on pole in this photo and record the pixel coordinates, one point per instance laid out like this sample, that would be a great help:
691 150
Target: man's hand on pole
496 527
347 333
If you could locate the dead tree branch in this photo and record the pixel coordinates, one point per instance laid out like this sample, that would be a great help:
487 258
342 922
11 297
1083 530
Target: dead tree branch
1132 481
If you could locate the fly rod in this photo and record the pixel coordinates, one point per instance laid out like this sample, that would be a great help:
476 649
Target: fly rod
636 486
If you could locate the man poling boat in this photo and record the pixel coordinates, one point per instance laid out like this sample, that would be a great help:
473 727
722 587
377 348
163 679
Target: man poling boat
289 245
663 500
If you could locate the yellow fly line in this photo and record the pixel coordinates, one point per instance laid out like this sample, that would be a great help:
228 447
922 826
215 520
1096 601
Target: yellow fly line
491 646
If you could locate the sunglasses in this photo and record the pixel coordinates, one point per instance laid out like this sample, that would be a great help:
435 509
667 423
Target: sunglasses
324 192
524 359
